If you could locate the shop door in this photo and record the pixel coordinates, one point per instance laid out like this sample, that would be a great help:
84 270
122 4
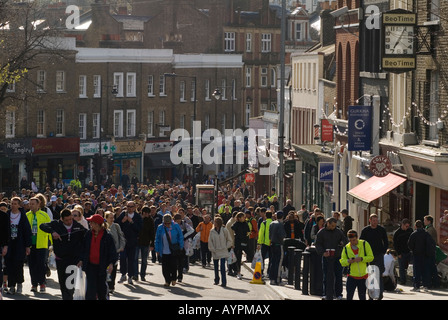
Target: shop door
421 200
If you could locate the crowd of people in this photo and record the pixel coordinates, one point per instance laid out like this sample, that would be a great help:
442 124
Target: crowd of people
103 231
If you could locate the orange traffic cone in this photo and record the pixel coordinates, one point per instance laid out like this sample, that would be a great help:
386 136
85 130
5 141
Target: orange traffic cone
257 274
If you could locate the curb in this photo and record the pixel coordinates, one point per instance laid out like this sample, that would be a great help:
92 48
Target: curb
281 294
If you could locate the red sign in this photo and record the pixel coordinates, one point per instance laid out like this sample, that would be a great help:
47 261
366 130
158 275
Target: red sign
380 166
326 130
250 177
55 145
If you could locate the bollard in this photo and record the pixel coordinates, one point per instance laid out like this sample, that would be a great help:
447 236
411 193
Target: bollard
306 271
298 268
291 265
316 276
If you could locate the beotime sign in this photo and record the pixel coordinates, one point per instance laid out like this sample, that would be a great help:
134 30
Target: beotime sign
359 128
380 166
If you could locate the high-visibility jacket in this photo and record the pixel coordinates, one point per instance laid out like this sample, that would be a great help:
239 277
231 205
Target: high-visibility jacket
42 237
263 233
357 269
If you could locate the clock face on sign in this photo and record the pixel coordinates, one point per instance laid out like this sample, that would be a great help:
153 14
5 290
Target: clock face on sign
399 40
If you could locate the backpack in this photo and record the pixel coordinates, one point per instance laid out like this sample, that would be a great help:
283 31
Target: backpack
346 253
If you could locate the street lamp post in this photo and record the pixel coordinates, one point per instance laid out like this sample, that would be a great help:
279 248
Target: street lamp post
114 91
217 95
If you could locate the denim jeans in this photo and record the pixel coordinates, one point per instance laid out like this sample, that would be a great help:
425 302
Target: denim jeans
220 264
144 251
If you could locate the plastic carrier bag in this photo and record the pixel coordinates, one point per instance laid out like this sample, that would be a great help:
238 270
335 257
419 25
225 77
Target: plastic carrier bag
373 282
80 285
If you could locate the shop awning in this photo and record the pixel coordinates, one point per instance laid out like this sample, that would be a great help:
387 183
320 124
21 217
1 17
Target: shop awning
373 188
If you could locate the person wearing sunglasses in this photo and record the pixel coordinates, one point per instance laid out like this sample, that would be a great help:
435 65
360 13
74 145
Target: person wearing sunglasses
356 256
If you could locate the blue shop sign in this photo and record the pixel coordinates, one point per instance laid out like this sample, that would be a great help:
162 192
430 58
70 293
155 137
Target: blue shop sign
326 171
359 128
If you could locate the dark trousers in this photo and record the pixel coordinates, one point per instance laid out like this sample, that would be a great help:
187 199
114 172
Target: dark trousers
351 286
37 265
144 253
220 265
239 254
14 271
127 261
276 262
180 266
252 246
113 276
63 274
169 268
332 277
206 255
421 271
96 284
403 264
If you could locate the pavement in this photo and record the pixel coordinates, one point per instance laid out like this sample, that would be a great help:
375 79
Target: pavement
287 291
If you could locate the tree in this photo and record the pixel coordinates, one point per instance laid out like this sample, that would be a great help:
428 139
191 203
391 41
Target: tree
26 32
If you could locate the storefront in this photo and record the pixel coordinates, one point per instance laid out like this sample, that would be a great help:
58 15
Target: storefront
314 189
427 168
54 158
92 168
158 165
128 157
16 163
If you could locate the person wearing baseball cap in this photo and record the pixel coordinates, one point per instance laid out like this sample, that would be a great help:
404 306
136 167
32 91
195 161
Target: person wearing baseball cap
98 258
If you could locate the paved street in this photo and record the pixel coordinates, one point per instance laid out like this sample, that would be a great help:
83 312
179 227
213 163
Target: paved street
197 284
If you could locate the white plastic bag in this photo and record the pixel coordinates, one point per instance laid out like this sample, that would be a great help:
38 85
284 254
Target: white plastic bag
196 241
80 285
52 260
188 247
257 258
232 257
373 282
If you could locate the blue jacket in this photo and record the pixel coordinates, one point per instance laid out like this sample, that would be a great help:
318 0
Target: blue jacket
176 236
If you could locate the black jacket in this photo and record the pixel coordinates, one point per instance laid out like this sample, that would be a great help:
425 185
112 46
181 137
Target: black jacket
400 239
241 230
131 230
4 229
421 243
330 239
108 253
147 232
298 229
17 246
70 245
377 238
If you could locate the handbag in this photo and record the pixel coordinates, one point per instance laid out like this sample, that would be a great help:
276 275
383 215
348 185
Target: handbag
175 248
